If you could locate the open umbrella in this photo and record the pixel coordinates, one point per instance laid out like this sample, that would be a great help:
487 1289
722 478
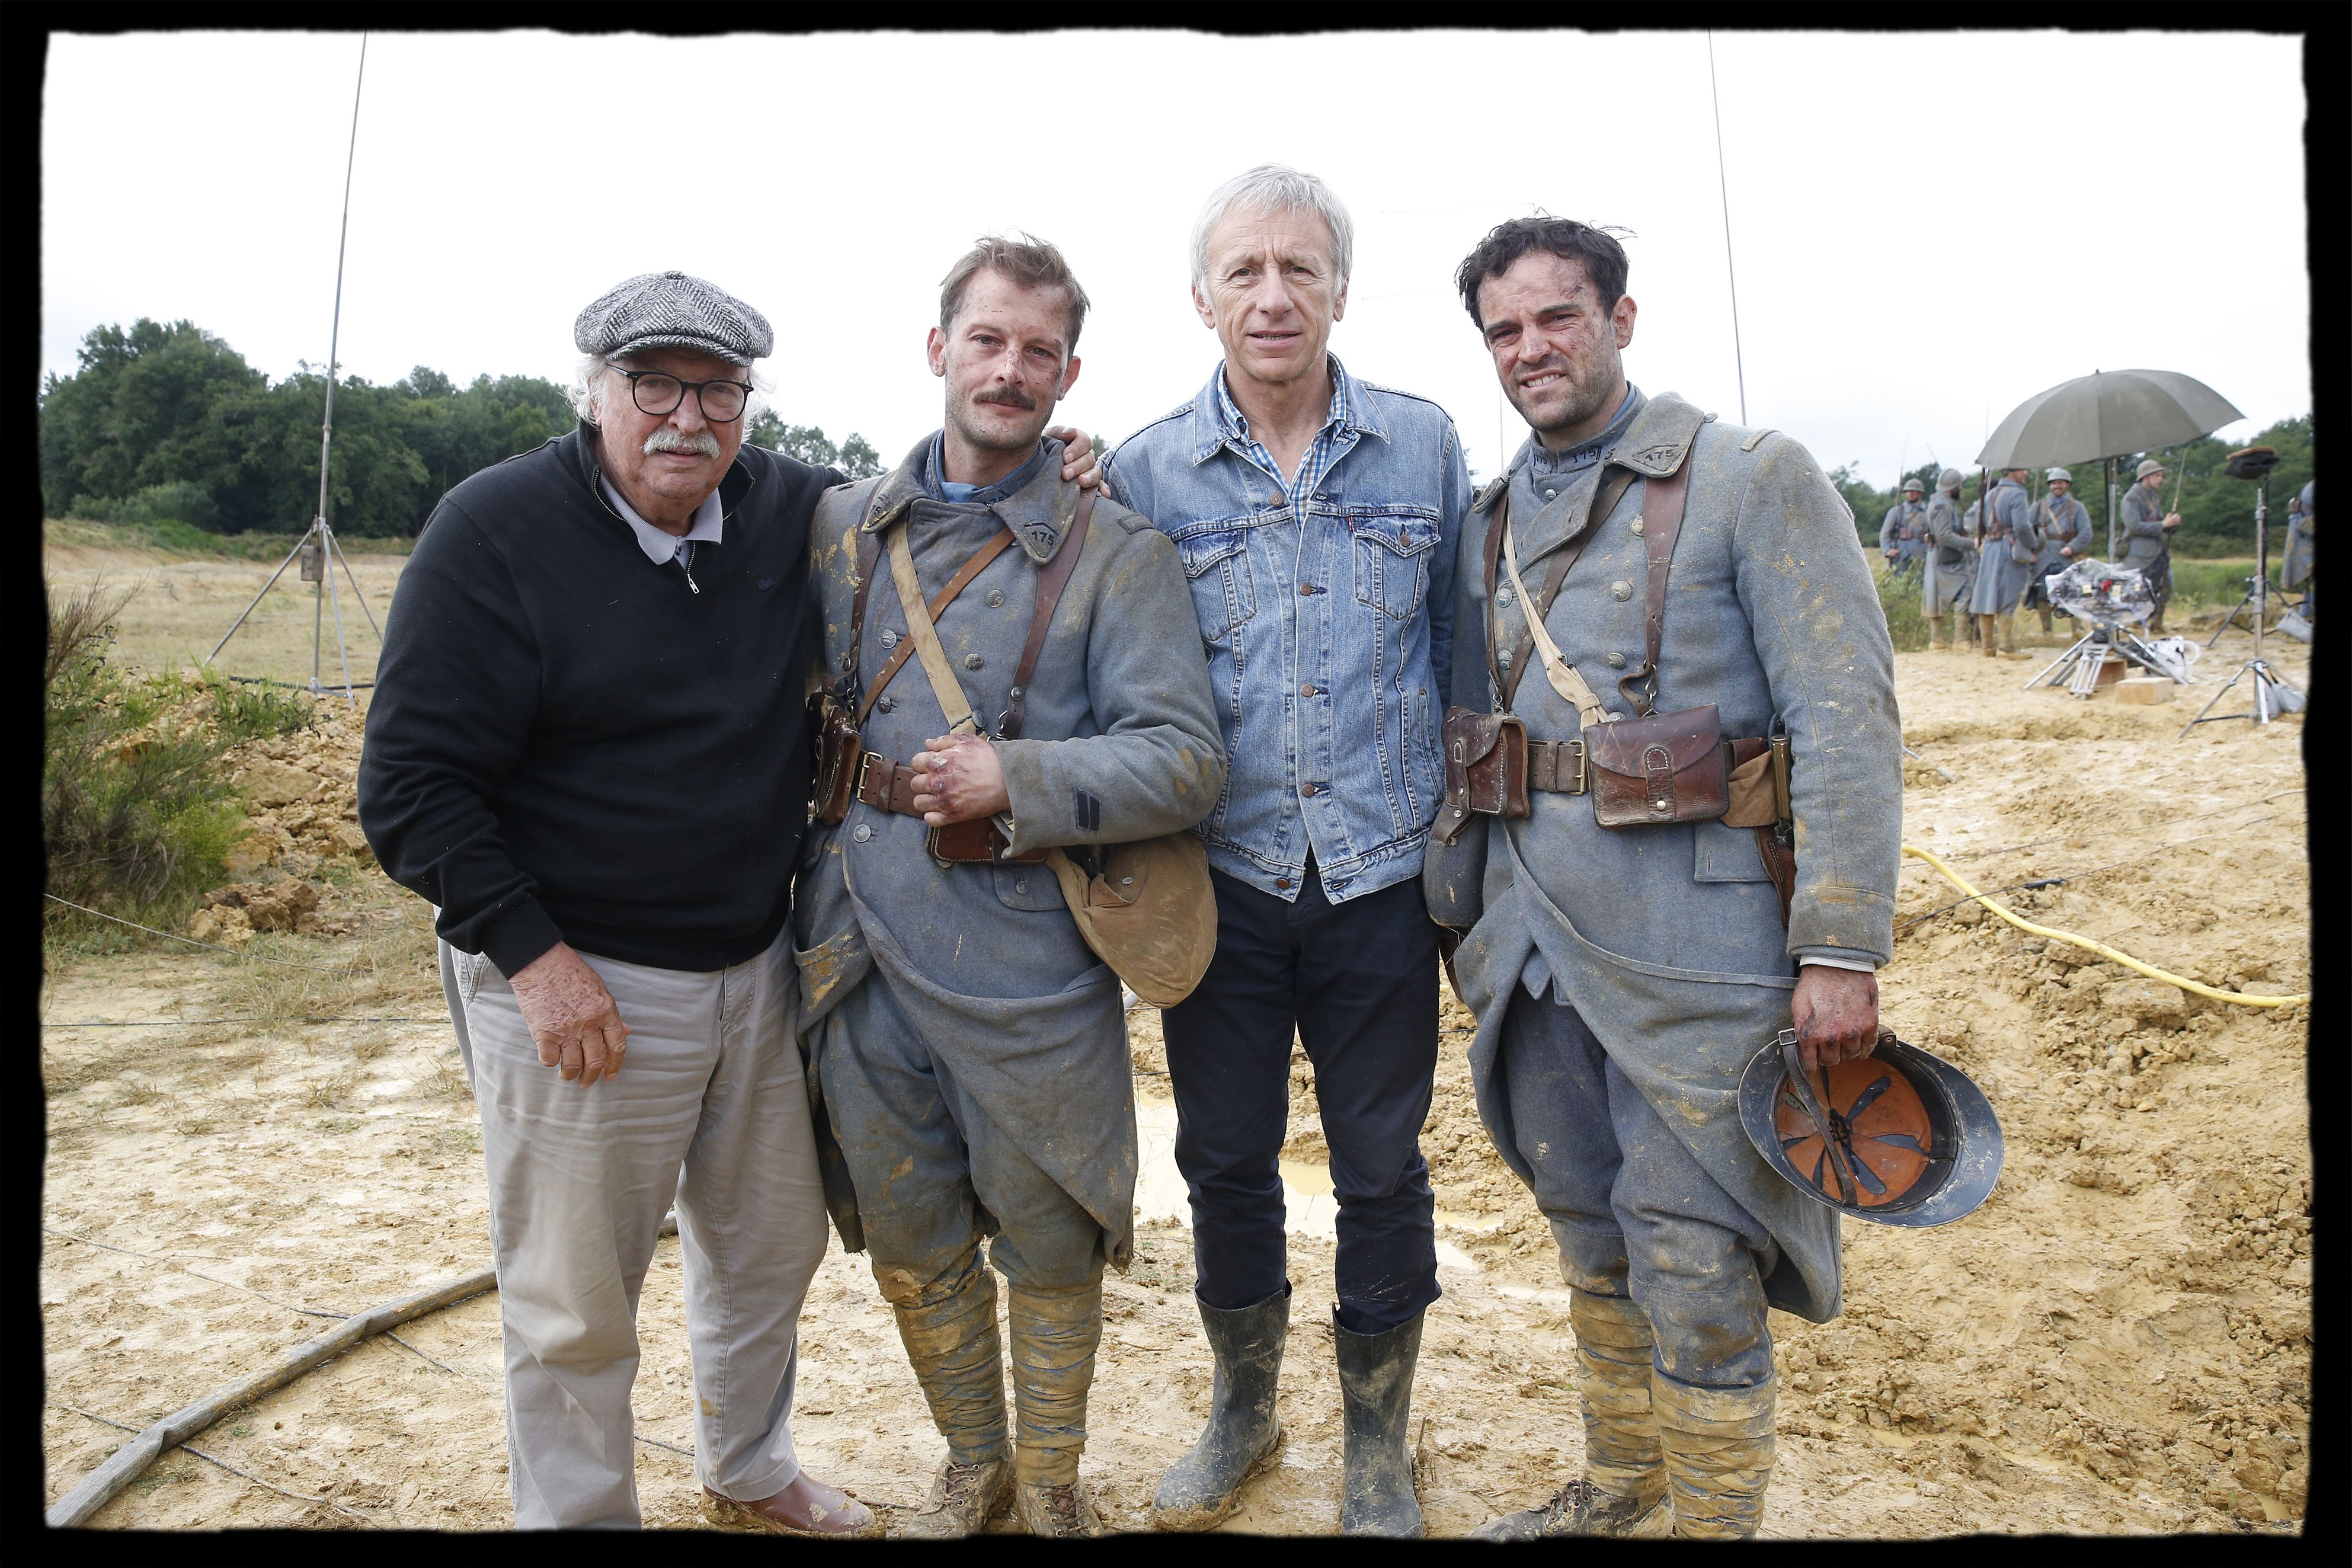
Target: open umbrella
2109 413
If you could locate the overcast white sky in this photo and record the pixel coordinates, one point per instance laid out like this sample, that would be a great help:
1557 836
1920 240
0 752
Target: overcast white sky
1928 228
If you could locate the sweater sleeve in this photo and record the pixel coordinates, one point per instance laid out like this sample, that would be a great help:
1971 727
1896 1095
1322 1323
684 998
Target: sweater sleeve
457 693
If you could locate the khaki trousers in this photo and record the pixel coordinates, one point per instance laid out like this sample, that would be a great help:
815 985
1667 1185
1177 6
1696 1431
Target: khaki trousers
710 1111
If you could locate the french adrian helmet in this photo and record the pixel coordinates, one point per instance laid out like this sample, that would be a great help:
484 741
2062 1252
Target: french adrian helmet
1898 1137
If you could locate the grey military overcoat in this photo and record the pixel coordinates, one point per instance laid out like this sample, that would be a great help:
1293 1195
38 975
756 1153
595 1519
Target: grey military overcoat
1120 743
2147 546
1941 586
2001 577
1668 940
2062 520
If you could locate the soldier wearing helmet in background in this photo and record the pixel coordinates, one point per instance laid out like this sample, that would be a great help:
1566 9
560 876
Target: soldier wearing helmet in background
1948 574
2148 535
2065 525
2006 544
2294 570
1900 534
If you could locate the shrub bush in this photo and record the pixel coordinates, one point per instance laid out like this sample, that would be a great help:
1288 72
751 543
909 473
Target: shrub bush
137 817
1898 598
183 503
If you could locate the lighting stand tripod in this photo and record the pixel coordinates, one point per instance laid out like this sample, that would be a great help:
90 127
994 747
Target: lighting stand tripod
2273 696
317 547
2254 595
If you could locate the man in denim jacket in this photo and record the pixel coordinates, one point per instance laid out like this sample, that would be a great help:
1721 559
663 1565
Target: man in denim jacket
1316 516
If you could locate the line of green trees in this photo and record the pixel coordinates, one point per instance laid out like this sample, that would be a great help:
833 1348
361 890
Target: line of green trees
2217 512
164 422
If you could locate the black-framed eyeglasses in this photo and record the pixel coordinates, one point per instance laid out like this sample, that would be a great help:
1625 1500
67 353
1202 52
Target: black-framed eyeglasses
722 402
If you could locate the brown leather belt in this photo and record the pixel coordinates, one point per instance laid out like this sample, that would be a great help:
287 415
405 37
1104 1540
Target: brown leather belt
883 783
1556 767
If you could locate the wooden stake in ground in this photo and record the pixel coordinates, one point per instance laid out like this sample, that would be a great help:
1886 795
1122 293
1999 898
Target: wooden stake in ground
131 1460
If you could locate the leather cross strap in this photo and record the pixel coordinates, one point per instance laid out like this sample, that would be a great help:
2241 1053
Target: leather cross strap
1662 524
1604 501
1051 580
869 551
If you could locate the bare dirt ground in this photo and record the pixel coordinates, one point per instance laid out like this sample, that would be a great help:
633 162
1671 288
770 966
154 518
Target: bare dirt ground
2118 1342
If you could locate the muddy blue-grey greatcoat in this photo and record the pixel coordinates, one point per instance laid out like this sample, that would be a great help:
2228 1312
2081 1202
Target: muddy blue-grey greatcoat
1942 587
2147 548
1900 530
2063 521
1120 743
2295 564
1668 940
2010 533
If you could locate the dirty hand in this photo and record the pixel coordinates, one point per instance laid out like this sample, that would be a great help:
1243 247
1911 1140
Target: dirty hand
2172 520
958 778
571 1015
1078 459
1836 1015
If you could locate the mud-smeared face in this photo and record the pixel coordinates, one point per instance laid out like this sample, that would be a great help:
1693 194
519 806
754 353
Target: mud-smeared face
1006 360
1556 350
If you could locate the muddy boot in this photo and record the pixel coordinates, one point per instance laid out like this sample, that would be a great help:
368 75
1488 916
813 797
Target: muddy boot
951 1342
1934 631
1054 1333
1988 637
2008 635
2046 623
1376 1395
1624 1475
1204 1487
1719 1448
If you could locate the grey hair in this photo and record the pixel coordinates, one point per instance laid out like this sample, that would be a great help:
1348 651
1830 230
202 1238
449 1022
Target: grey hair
1275 188
589 376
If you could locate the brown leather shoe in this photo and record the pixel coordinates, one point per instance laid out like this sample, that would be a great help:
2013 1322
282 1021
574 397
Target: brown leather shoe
1065 1510
808 1506
963 1499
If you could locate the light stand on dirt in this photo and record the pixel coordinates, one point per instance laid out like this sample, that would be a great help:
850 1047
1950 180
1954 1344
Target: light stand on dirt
2254 595
316 548
2273 696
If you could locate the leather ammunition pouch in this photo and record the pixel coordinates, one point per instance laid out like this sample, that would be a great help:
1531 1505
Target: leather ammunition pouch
1486 768
1668 768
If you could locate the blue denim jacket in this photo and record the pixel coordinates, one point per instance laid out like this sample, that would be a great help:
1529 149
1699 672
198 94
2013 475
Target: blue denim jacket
1330 639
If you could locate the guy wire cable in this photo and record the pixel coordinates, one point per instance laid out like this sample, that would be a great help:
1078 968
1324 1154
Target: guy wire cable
2101 949
1723 186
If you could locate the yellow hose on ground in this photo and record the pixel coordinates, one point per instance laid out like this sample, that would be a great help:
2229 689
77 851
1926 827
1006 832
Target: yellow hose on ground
2101 949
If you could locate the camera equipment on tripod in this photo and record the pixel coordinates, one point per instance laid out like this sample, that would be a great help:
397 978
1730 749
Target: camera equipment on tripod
2251 463
2107 599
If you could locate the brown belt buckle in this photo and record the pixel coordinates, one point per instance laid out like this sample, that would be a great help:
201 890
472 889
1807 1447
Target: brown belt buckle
864 763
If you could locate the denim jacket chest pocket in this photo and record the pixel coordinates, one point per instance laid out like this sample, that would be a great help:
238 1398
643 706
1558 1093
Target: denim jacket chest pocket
1216 564
1393 546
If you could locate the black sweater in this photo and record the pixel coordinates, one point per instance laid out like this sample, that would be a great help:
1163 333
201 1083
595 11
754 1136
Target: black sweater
567 742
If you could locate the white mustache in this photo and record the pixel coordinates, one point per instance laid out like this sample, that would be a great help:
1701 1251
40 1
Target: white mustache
701 441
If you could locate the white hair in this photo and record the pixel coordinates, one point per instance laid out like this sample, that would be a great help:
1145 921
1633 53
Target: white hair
1275 188
590 375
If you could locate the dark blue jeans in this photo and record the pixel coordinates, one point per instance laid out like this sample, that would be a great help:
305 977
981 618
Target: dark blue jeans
1358 982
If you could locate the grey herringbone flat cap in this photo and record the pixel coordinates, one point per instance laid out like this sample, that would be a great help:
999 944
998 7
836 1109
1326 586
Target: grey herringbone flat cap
670 310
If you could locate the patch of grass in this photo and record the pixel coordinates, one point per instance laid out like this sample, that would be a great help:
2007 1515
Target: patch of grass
137 817
2217 584
171 537
388 968
1898 599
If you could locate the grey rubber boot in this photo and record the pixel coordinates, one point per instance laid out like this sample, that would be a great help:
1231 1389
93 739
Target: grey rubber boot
1204 1487
1376 1396
1719 1449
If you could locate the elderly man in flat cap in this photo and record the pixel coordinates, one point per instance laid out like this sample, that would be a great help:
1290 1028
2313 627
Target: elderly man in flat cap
587 748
